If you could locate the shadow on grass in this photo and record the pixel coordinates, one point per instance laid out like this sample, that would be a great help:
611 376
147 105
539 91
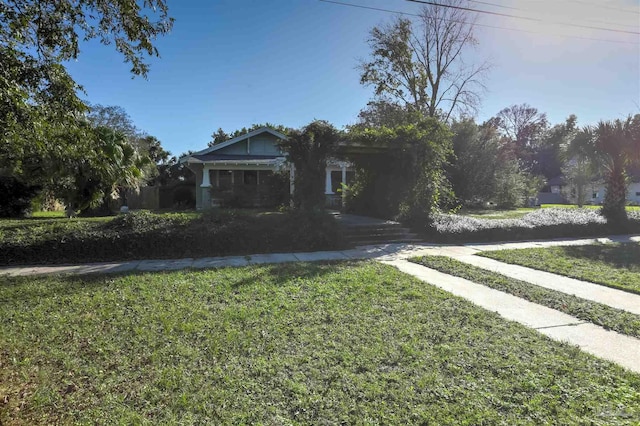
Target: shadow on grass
25 289
280 273
624 255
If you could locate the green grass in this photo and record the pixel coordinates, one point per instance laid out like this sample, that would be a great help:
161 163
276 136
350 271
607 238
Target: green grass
612 265
596 313
345 343
586 206
48 214
496 214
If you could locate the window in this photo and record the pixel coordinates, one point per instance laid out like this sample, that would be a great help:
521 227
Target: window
336 181
251 177
637 194
225 179
595 195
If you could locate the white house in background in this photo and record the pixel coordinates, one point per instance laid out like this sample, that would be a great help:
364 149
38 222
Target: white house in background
244 167
595 192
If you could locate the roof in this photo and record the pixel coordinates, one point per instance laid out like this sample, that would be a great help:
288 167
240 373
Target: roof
236 157
557 181
240 138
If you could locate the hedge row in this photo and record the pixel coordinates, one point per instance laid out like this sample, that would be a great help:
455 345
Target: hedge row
143 235
539 224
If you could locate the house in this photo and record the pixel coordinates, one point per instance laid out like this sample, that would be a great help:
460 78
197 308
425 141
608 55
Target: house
248 171
563 192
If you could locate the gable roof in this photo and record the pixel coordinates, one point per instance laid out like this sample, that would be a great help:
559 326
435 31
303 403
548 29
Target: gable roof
240 138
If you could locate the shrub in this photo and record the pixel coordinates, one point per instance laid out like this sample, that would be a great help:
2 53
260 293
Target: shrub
543 223
16 197
144 235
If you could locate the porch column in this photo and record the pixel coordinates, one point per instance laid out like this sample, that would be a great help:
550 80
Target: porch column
327 181
205 187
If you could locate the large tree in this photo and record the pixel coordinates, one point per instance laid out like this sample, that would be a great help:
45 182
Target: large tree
37 95
421 64
472 171
522 127
401 175
308 150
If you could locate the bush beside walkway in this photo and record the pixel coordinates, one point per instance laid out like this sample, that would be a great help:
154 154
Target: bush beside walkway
144 235
538 224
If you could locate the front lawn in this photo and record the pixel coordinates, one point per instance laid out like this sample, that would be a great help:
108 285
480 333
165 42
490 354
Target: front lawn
144 235
613 265
586 206
596 313
496 213
342 343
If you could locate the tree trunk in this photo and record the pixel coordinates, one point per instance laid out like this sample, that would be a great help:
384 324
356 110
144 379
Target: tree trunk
615 198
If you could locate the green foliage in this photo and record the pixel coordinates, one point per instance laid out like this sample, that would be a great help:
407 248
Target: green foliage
340 343
523 128
596 313
16 197
403 177
308 150
108 164
475 163
53 28
579 174
41 134
144 235
384 113
613 265
220 135
513 185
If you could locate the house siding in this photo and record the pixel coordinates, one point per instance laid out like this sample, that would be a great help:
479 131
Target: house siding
264 144
239 148
632 195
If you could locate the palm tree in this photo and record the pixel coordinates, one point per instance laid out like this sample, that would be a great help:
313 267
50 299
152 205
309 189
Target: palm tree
617 147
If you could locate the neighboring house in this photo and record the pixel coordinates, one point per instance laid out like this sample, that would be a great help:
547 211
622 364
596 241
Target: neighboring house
562 192
243 171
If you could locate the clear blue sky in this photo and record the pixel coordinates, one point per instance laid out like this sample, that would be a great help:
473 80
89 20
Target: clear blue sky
232 63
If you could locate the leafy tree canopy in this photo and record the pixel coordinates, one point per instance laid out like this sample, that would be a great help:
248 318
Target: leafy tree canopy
308 150
420 65
36 37
220 135
405 178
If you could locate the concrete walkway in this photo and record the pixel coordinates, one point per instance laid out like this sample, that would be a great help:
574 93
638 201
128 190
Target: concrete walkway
610 345
596 293
616 347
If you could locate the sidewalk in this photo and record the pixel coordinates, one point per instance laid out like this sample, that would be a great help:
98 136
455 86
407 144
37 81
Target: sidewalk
610 345
616 347
379 252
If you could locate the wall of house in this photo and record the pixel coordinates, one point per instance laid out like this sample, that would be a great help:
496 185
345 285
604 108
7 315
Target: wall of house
263 144
633 193
239 148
